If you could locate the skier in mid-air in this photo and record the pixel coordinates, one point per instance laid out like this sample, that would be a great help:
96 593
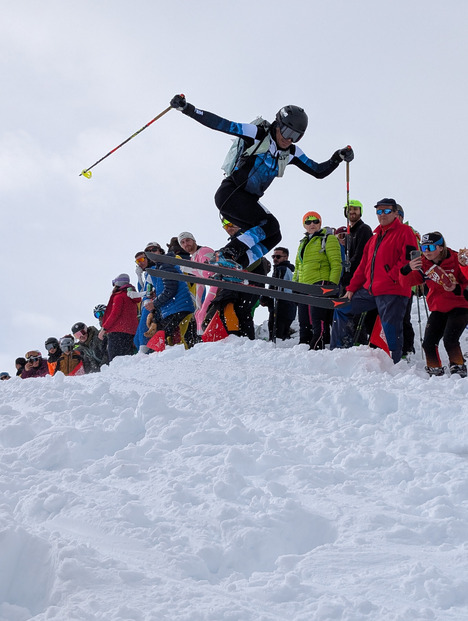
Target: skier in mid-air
264 152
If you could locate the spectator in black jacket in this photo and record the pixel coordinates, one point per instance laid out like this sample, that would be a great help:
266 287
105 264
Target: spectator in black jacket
52 346
359 235
282 312
93 350
20 363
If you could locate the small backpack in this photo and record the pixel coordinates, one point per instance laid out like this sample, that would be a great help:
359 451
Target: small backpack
238 148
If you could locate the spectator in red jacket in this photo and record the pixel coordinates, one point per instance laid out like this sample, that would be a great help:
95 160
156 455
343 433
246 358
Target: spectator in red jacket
376 284
447 299
120 320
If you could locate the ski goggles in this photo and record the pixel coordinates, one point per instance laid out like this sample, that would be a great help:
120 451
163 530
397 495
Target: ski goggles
140 260
311 221
290 134
379 212
430 247
50 346
99 314
34 358
80 333
226 222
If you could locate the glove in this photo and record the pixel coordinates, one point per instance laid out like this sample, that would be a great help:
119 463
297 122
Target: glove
346 154
138 271
178 102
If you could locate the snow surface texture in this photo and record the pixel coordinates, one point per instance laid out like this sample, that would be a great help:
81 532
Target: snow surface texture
238 482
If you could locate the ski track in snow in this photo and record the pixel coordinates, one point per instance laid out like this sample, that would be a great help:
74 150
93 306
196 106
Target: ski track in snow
236 481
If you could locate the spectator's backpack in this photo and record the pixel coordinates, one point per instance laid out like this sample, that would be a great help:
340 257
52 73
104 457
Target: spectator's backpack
238 150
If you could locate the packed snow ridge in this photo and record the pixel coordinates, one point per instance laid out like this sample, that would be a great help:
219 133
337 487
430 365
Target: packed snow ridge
236 481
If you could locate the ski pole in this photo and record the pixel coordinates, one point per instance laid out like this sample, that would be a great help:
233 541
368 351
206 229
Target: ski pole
347 262
87 171
419 321
360 325
425 306
275 321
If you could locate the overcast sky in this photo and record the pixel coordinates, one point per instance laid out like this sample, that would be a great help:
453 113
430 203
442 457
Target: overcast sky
79 78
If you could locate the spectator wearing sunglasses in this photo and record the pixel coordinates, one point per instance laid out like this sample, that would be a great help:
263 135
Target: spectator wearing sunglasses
318 261
263 153
354 242
408 330
92 349
281 312
353 246
52 346
235 309
35 365
376 284
447 298
120 320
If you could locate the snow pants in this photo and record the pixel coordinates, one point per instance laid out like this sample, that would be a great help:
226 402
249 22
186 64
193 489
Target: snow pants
260 229
119 344
448 326
314 325
285 315
391 309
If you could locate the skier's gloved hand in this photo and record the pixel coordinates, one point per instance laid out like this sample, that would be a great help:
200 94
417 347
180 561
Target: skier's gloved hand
178 102
138 271
346 154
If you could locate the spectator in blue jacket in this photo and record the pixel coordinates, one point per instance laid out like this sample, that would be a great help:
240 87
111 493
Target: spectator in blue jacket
170 304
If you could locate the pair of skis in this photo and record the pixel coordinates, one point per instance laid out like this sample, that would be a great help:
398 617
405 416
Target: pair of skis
323 296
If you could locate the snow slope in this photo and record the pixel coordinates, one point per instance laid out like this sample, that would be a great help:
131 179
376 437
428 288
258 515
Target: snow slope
235 481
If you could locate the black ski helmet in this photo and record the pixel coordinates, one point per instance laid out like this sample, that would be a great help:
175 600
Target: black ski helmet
79 326
294 119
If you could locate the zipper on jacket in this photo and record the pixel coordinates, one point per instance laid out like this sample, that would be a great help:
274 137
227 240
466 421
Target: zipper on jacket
379 241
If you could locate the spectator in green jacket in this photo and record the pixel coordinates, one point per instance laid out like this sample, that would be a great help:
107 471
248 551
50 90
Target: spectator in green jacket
318 261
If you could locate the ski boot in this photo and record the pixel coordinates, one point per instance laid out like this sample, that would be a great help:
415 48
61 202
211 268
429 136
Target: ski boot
458 368
225 258
437 371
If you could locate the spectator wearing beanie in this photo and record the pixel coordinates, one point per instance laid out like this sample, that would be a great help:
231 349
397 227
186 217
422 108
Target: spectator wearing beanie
120 320
318 261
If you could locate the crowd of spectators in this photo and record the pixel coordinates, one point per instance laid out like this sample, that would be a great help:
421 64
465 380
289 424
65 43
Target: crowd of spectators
378 271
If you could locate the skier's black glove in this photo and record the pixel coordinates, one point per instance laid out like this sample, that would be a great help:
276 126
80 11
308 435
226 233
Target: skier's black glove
178 102
346 154
465 293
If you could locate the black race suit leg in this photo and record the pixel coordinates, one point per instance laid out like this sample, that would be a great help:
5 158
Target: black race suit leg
245 211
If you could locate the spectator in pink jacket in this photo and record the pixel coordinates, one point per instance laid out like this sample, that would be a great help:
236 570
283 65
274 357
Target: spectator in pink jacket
199 254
